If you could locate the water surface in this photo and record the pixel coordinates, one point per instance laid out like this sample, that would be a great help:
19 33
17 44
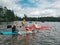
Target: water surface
43 37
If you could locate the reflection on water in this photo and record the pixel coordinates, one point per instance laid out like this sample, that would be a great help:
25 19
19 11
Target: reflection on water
43 37
20 40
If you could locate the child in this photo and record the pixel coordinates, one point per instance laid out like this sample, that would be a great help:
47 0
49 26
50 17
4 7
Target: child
13 28
28 30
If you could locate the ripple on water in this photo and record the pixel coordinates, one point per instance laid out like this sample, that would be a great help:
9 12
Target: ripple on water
43 37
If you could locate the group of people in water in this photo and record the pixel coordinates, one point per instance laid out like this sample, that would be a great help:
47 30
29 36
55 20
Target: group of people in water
23 24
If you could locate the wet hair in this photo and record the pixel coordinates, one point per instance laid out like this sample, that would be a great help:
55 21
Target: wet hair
23 18
20 26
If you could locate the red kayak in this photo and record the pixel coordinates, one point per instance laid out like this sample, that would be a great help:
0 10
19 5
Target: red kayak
39 27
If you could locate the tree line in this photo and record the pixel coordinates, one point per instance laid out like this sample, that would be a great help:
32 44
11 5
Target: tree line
7 15
42 19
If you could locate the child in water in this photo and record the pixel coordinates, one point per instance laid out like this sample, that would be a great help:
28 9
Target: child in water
28 30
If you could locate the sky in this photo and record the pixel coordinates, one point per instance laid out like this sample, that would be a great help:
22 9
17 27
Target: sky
33 8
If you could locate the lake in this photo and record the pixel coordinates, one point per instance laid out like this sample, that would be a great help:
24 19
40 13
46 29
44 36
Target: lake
43 37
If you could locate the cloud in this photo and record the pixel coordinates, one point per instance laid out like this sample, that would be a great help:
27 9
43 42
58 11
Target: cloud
33 7
47 7
12 5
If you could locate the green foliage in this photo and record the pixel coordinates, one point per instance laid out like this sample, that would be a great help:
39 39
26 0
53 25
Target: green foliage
51 19
7 15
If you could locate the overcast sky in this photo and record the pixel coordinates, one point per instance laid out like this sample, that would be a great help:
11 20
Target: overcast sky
33 7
